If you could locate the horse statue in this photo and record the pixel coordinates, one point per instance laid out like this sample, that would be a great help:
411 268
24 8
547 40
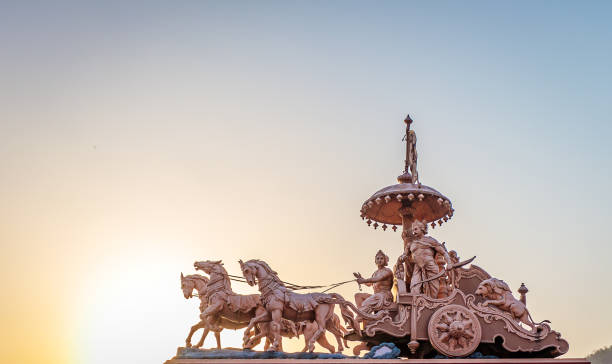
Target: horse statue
290 329
280 302
309 328
225 307
219 302
199 283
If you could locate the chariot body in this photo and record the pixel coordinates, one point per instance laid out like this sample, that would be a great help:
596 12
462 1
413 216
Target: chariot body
457 325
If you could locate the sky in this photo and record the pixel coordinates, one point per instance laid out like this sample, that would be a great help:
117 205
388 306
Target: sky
137 138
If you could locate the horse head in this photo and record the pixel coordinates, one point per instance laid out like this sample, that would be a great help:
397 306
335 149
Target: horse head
254 270
191 282
187 285
249 271
207 266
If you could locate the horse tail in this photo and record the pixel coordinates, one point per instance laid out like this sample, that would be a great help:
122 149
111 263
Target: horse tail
347 309
342 329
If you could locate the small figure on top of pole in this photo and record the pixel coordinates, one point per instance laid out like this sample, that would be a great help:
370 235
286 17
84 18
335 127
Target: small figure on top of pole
410 170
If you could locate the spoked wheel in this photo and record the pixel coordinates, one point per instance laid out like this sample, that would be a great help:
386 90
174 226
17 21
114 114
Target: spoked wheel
454 331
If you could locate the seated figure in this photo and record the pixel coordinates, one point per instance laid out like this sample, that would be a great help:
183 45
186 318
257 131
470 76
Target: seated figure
382 282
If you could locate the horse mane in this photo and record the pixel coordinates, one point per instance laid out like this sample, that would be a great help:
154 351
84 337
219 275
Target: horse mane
266 267
219 269
197 277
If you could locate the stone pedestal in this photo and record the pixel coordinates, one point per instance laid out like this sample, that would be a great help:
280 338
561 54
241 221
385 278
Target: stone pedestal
377 361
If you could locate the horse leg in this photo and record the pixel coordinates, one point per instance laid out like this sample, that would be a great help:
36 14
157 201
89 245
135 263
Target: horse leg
218 338
204 334
209 315
322 340
194 328
261 330
308 331
267 344
254 340
275 327
262 316
322 313
341 330
331 327
357 349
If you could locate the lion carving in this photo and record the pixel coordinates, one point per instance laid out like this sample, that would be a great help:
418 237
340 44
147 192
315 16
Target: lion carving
497 293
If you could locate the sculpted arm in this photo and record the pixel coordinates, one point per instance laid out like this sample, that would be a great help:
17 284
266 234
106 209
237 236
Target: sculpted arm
440 249
386 275
451 272
405 257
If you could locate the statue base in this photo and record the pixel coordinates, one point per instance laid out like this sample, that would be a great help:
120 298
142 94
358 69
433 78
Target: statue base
379 361
193 355
235 356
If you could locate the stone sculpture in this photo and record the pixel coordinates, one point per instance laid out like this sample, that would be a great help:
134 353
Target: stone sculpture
411 153
442 306
280 302
199 283
382 282
498 294
306 328
420 251
288 329
434 289
222 303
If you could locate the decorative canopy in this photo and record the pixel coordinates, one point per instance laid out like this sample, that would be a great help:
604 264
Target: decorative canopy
423 202
407 199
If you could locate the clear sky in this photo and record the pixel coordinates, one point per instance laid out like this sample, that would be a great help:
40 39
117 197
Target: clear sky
137 138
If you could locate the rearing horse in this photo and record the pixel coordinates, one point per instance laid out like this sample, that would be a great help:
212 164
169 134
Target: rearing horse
280 302
224 306
199 283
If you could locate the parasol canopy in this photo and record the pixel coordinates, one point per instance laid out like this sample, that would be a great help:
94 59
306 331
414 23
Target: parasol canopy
408 199
422 202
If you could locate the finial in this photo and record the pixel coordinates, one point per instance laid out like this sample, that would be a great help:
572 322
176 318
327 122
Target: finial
408 120
523 292
410 174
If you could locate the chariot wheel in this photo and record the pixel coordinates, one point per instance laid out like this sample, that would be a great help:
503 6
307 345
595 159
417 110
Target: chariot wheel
454 331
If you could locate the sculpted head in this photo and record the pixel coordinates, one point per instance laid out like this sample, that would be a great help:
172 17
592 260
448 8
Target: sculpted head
249 272
381 259
187 287
492 287
207 265
188 284
418 228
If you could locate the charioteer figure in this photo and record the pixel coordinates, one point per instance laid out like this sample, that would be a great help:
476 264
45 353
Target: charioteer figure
381 281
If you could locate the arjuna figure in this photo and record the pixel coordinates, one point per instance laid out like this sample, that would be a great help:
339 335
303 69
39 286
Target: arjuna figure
421 250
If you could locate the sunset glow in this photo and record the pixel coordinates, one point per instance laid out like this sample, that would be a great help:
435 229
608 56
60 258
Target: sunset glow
137 138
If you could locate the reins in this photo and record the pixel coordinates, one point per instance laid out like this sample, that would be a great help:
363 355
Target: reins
293 286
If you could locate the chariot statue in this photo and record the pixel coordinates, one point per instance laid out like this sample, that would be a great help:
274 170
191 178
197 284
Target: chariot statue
431 303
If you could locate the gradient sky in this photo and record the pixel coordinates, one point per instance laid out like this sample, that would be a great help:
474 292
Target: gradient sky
137 138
